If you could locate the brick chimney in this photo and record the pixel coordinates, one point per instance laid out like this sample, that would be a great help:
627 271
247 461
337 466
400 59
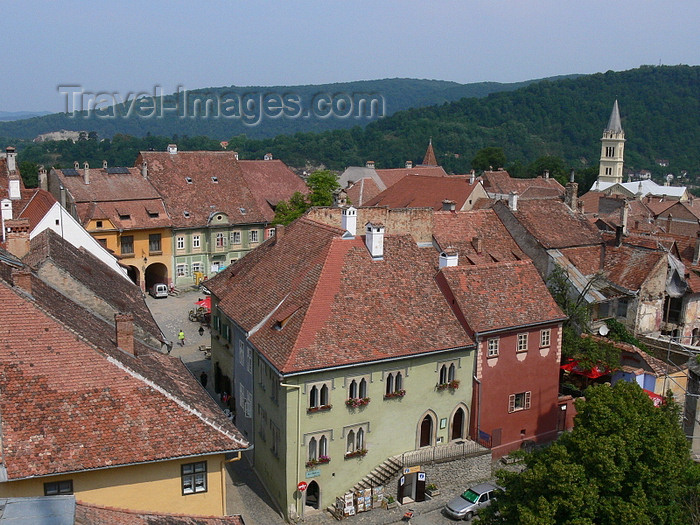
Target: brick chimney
22 279
17 237
478 244
124 324
374 240
624 214
669 222
86 173
696 254
43 178
279 231
571 193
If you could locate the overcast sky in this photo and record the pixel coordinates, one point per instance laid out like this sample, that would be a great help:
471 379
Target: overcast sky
133 46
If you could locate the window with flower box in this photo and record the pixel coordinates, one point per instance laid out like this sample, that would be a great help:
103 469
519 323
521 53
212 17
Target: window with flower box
357 391
446 375
394 384
317 448
355 444
319 396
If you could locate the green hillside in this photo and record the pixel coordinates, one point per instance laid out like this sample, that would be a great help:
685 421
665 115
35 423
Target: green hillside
256 111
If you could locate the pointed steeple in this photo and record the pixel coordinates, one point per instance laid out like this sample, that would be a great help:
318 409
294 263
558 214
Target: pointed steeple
429 159
614 123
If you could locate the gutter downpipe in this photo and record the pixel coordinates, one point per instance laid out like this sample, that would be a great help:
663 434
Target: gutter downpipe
298 389
223 480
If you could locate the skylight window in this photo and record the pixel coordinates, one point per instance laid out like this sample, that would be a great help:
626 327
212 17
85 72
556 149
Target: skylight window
243 211
215 179
189 180
187 215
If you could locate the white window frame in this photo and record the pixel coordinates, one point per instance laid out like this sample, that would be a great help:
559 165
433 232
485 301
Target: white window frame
545 337
522 342
196 242
519 401
358 442
253 236
221 240
179 242
235 237
493 346
359 393
193 478
391 386
181 270
196 267
318 444
321 398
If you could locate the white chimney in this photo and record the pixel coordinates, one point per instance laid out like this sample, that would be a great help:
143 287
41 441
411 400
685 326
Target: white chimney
6 205
172 149
43 178
546 174
374 240
448 258
104 164
235 154
448 205
268 156
369 164
513 201
11 158
15 187
144 169
472 177
349 220
86 173
409 164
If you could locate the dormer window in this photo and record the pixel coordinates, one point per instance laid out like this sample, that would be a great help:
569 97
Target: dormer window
188 180
187 215
243 211
153 214
124 216
215 179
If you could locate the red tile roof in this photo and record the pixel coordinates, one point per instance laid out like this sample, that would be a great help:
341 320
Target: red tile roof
70 400
429 158
217 185
630 266
555 225
351 309
271 181
501 296
459 230
361 191
501 182
105 187
38 206
88 514
588 259
417 191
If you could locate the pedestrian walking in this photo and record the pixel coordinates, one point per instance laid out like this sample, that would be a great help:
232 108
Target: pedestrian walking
203 379
201 330
181 337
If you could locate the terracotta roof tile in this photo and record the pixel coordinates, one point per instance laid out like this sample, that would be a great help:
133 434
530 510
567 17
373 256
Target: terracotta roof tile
202 183
501 182
417 191
88 514
351 309
106 186
629 266
69 404
38 206
501 296
459 230
271 181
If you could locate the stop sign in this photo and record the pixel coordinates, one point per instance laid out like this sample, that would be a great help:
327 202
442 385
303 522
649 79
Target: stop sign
302 486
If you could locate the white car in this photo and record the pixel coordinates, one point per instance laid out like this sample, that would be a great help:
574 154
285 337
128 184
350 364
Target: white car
465 506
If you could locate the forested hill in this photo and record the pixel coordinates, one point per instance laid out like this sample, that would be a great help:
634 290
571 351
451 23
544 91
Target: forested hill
659 107
256 111
563 119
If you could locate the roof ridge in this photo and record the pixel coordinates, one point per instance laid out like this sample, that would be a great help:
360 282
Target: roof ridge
174 398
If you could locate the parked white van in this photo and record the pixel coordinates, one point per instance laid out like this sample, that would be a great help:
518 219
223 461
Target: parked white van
159 290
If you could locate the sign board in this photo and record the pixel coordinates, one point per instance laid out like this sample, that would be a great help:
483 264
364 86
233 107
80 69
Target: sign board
313 473
411 470
302 486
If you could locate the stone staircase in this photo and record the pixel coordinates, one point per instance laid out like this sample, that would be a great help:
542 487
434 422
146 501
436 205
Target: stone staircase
381 474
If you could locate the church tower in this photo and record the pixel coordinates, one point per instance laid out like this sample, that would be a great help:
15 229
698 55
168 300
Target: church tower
612 151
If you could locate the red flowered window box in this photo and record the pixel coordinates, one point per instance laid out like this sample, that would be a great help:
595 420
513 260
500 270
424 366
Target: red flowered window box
320 408
355 402
398 393
320 461
452 385
356 453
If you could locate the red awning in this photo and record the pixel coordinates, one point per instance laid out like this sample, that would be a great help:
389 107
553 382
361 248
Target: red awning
656 398
205 303
593 373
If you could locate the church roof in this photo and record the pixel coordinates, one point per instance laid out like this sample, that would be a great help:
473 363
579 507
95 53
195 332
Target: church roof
429 159
614 123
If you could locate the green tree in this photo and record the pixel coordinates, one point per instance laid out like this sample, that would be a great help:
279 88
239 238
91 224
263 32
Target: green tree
30 174
625 461
288 211
321 183
487 158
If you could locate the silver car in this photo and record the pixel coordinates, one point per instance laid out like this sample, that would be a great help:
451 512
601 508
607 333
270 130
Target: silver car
464 506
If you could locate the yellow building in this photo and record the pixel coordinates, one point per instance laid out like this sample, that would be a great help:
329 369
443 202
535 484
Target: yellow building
123 211
88 409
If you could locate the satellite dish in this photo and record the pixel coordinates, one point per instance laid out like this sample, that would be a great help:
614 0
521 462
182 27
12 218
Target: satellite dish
604 330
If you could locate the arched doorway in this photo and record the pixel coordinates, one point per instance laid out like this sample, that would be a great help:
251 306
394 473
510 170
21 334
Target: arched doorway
313 495
133 273
156 273
426 431
458 424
